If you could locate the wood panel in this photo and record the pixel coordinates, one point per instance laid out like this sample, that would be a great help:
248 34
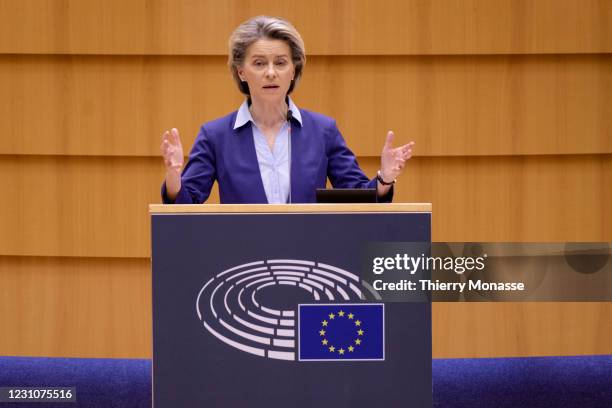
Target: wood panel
75 307
88 307
515 199
98 206
463 106
108 106
339 27
80 206
458 105
468 330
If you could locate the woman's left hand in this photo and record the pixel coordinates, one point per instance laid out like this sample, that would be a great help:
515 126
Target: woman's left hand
393 159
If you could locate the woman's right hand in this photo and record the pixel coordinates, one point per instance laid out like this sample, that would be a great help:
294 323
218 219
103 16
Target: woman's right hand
172 152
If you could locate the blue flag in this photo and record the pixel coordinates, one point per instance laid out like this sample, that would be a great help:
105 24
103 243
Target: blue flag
341 332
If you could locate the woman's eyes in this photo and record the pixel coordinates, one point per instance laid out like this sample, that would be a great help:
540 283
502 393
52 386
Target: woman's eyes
260 64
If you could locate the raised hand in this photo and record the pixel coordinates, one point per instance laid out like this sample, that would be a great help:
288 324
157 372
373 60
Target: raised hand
393 159
172 150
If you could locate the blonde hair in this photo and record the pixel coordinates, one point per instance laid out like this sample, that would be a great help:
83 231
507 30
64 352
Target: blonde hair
272 28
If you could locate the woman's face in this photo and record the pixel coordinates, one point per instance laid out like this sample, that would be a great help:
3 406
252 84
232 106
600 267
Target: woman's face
268 69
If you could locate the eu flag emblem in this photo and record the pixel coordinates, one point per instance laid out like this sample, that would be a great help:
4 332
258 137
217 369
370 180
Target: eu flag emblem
341 332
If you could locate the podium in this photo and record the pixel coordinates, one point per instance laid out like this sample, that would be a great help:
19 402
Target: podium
252 305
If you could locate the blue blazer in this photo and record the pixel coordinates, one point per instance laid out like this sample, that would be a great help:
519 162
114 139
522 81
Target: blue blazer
318 152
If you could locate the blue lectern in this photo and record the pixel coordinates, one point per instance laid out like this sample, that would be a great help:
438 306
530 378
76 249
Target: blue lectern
263 306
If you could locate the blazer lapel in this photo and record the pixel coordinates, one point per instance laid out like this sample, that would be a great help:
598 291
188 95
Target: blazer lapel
249 176
297 183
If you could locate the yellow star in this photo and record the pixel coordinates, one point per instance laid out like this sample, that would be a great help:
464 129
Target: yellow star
341 351
324 322
357 322
360 332
350 316
358 341
351 348
331 315
341 313
332 348
324 342
322 332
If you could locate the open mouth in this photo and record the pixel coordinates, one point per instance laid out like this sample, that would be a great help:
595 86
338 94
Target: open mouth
270 86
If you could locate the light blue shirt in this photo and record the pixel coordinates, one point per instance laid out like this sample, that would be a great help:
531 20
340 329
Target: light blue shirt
273 163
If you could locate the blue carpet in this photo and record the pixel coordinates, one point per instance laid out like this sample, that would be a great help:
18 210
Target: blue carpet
99 382
533 382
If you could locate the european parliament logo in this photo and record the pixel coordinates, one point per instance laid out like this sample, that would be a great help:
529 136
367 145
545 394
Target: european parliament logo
239 306
341 332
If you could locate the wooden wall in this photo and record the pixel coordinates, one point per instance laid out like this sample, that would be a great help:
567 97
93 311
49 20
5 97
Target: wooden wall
510 103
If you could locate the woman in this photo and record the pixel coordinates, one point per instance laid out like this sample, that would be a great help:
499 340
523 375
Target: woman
270 151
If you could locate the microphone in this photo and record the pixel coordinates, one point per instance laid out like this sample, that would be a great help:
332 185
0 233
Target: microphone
289 117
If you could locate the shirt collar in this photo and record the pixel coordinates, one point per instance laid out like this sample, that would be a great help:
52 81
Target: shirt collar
244 114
